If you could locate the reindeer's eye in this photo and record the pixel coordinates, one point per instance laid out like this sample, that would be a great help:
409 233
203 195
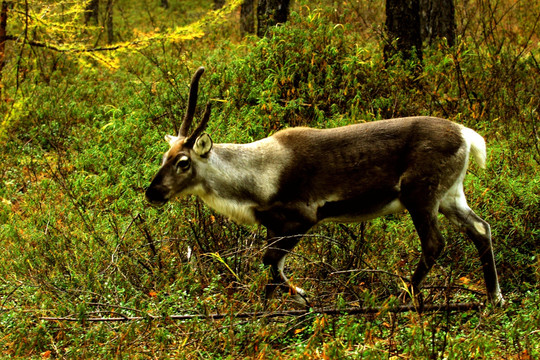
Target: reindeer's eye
183 163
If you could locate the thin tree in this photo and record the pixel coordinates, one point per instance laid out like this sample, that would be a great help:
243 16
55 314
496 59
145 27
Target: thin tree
403 28
270 13
410 24
218 4
92 11
247 17
437 19
109 25
3 35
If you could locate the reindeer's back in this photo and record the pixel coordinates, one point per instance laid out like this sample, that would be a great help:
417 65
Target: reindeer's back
360 158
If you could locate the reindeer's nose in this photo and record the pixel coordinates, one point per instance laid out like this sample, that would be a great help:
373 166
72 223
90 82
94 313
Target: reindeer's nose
156 197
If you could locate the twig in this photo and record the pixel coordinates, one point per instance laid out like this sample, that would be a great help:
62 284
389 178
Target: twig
114 306
264 314
9 295
404 278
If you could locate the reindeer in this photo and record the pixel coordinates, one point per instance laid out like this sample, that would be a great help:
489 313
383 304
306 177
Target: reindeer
299 177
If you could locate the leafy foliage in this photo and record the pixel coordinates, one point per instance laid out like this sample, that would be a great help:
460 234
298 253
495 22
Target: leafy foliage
81 139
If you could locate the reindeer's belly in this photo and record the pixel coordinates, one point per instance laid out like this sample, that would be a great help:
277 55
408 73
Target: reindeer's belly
361 207
351 216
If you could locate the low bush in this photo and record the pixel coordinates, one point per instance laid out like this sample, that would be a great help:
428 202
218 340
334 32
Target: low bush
81 242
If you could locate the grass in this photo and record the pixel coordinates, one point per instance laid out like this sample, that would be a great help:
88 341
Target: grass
83 140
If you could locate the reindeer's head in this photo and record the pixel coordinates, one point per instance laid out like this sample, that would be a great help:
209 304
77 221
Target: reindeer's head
178 172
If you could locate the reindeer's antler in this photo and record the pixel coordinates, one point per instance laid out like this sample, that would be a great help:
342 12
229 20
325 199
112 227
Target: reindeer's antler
198 131
192 103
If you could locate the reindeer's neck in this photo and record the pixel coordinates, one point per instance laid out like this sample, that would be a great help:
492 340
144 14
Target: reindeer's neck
240 178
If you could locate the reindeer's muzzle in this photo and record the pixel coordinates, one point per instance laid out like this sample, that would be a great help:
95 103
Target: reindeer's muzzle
156 197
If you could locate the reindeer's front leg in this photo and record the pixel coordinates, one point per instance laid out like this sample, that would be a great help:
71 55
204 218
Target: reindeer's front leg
275 258
282 237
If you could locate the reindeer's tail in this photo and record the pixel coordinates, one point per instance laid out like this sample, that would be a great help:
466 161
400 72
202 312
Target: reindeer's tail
477 145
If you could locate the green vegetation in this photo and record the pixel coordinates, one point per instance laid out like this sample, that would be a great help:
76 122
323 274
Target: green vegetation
82 135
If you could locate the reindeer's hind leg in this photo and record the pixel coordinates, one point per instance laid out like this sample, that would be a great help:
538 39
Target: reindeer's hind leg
421 198
454 207
426 224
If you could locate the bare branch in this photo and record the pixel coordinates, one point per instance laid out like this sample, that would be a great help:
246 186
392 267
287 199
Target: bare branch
66 50
460 307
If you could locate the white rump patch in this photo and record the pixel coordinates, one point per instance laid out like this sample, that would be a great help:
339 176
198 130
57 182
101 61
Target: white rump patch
476 144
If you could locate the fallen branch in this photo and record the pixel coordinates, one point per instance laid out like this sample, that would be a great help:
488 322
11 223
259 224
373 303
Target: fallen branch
265 314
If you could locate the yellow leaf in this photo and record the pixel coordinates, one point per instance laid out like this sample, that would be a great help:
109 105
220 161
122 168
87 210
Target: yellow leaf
106 125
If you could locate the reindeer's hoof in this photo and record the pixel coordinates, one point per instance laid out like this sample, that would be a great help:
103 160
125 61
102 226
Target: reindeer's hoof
497 300
299 296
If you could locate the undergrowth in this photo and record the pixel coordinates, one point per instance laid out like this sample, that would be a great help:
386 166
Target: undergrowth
79 240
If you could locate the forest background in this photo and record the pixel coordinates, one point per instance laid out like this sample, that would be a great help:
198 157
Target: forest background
86 100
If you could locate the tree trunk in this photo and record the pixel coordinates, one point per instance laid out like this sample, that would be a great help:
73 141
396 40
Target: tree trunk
270 13
218 4
109 22
437 18
247 17
403 24
92 11
3 35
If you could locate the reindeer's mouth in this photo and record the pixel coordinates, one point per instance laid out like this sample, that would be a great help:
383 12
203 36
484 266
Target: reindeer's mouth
156 204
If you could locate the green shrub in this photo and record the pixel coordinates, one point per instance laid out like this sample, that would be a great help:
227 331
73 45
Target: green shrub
80 241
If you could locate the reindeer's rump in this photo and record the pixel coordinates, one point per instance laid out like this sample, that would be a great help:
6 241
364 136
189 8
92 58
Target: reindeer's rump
356 172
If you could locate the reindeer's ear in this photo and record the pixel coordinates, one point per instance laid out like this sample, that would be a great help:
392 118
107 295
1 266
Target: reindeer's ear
203 145
170 139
